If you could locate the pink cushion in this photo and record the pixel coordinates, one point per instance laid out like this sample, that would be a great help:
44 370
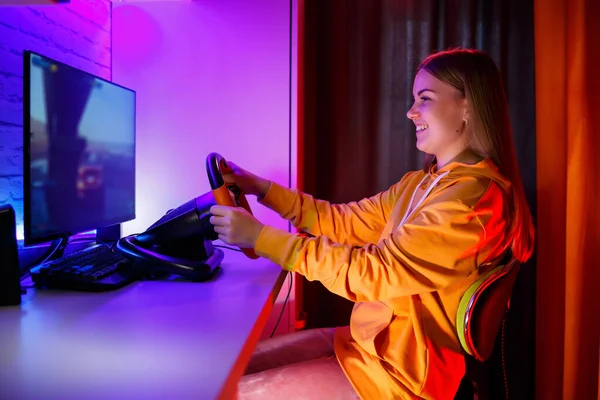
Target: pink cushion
321 378
299 365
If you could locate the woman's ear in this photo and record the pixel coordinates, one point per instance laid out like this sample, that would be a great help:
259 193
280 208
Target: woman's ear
466 113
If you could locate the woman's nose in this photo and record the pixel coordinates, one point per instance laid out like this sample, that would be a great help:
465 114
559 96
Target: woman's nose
412 112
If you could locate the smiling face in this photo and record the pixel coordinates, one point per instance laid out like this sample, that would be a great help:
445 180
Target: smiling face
439 113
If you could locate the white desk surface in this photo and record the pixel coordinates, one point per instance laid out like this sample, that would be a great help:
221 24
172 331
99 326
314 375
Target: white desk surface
148 340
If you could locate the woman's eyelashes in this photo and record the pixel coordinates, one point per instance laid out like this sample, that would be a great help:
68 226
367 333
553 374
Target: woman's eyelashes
425 98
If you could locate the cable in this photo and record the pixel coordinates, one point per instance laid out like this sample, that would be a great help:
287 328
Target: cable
26 283
284 304
53 248
503 358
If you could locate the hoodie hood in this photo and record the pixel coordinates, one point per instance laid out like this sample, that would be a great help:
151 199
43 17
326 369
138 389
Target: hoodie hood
484 168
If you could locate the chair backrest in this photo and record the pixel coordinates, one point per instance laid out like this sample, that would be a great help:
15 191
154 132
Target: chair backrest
482 309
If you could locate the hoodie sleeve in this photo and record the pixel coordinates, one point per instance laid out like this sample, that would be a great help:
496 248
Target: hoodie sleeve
354 224
443 244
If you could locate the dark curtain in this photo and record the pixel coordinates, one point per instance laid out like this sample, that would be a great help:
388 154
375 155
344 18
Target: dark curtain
568 127
359 64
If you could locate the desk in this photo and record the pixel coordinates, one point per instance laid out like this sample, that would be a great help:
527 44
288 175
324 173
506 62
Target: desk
148 340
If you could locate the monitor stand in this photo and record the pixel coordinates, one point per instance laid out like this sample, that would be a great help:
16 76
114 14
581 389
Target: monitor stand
57 249
110 233
30 258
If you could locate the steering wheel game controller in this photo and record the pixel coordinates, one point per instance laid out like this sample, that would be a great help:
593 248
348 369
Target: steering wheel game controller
226 195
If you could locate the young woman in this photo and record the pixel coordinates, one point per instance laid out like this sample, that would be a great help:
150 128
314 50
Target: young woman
404 256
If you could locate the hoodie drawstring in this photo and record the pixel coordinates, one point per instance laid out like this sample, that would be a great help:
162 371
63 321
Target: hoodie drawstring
410 209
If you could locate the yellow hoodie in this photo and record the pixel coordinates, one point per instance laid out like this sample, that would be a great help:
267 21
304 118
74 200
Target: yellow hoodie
405 278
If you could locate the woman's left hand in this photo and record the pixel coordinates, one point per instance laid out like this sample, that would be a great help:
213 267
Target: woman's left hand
235 226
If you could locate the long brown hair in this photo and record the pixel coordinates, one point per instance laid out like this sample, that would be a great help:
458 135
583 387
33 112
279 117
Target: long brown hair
475 75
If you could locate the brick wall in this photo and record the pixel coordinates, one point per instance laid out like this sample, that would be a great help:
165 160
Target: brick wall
78 34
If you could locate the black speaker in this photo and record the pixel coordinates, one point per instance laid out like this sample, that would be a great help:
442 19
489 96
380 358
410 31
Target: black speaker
10 284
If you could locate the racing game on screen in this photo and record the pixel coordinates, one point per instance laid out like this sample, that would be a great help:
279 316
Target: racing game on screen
81 150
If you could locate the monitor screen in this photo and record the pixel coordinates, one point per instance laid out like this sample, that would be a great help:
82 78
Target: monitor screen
79 150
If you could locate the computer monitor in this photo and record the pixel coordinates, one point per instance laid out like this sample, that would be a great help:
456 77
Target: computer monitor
79 150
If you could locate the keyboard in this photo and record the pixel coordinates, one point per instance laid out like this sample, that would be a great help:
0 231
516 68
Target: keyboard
93 269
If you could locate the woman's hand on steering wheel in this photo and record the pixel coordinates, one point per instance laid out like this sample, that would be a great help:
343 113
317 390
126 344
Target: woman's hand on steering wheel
247 181
235 226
